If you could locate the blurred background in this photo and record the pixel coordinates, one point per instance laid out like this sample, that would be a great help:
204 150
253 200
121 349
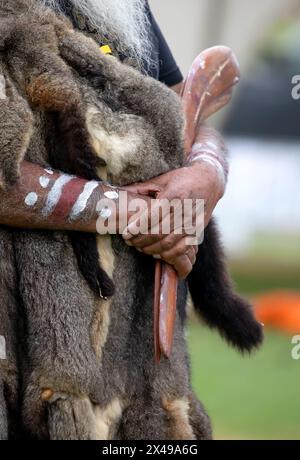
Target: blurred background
253 397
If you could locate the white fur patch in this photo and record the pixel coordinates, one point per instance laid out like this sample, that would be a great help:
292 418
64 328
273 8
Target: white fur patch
107 419
106 253
117 151
178 412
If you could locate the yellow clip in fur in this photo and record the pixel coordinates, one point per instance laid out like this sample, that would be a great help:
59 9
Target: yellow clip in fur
106 49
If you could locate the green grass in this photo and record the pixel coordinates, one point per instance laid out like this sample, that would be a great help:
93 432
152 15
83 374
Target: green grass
247 397
255 397
272 262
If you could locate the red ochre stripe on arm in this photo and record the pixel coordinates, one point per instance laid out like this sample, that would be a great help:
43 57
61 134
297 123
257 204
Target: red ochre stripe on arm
68 198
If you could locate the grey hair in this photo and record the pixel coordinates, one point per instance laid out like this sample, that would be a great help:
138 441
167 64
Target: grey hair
124 22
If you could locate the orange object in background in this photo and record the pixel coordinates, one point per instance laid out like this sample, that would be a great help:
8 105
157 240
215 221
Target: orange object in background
279 309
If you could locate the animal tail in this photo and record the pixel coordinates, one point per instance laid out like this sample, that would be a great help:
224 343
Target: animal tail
215 300
89 263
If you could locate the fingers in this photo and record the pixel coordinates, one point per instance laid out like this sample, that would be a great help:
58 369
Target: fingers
183 264
143 241
172 256
175 252
168 244
161 219
156 244
149 222
145 188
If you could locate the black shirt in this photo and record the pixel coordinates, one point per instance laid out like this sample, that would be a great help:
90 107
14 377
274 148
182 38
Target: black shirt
163 67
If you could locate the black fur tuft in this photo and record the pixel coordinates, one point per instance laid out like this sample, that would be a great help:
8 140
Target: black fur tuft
85 248
215 300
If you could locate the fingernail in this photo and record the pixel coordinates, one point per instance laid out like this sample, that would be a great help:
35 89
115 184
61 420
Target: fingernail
156 256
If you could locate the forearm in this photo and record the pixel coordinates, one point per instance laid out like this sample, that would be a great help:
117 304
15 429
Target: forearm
46 199
209 141
209 148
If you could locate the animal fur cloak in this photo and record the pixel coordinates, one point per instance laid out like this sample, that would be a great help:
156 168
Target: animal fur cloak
66 105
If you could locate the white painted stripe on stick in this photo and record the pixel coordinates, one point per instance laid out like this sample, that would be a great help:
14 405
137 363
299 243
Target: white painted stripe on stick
82 200
55 194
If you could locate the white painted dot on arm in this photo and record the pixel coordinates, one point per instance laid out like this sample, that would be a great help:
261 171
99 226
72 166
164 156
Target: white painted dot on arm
44 181
31 199
48 171
112 195
105 212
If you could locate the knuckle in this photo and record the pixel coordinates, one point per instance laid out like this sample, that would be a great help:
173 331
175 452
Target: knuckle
183 266
191 254
173 254
137 242
167 244
150 250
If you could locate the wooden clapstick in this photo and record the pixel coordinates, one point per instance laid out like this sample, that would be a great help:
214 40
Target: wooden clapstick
207 88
